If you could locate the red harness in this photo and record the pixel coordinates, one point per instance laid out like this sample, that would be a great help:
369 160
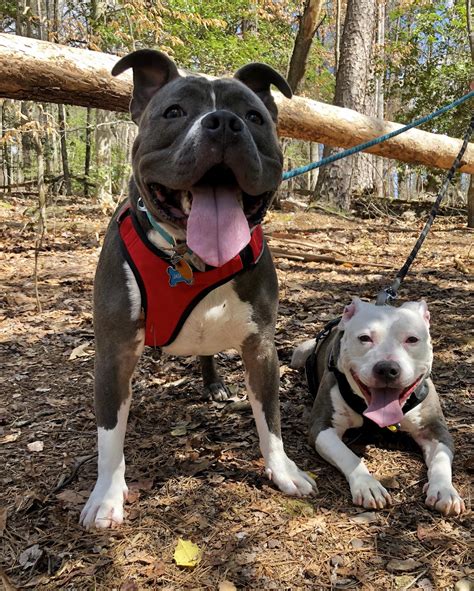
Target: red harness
167 304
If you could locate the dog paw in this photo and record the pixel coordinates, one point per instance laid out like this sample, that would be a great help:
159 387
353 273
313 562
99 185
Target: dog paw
104 507
217 391
289 478
369 493
443 498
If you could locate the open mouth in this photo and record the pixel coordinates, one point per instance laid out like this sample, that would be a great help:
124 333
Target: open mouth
384 404
216 214
176 205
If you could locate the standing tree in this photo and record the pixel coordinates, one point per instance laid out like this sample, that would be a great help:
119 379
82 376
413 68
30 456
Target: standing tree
470 192
338 181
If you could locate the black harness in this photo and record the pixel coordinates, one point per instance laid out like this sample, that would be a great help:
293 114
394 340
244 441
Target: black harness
355 402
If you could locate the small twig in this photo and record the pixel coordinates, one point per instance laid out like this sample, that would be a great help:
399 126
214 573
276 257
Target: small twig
73 474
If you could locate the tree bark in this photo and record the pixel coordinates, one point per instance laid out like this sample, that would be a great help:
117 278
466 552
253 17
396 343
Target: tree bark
103 162
308 24
64 154
339 180
470 192
37 70
88 150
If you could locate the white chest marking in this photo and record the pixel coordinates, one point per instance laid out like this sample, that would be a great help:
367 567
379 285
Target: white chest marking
220 321
344 417
133 293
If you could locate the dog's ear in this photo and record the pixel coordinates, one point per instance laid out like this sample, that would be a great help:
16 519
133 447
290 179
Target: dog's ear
259 77
349 312
420 307
151 71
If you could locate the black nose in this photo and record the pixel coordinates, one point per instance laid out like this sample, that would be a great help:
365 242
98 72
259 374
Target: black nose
221 122
388 370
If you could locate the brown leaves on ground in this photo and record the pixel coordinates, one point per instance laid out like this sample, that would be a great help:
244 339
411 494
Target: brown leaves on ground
193 466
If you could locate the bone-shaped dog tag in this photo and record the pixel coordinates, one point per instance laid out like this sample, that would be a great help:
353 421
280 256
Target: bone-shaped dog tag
175 277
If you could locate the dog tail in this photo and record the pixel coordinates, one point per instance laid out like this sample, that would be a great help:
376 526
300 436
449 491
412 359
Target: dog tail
301 353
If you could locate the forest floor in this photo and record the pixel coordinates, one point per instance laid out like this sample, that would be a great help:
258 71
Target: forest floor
194 466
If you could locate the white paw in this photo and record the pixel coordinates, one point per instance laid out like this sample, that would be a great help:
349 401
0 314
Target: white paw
443 498
369 493
288 477
104 507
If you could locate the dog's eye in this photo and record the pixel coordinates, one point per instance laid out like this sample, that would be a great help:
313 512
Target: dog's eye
412 340
254 117
365 338
174 112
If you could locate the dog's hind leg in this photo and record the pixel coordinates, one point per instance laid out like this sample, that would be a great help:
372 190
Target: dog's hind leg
119 342
214 387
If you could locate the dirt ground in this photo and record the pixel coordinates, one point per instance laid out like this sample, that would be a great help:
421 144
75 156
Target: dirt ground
193 466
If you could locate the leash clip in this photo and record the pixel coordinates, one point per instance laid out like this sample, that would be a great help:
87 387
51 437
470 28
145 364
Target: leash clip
385 297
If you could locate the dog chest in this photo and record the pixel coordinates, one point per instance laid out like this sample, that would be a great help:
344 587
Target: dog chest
220 321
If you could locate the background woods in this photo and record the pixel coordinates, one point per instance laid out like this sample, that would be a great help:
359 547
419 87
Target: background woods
397 59
194 468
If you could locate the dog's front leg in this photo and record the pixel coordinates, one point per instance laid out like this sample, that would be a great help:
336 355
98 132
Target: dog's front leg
427 426
262 380
366 490
440 492
330 419
119 341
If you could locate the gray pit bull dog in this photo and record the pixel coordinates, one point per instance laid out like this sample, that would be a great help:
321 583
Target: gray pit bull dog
206 164
376 364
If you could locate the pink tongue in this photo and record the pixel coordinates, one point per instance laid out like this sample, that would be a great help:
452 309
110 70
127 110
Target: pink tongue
217 228
384 408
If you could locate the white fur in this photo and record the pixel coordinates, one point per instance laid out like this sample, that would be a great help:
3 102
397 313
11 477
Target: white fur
389 328
278 466
133 293
365 489
220 321
104 507
195 130
344 417
301 354
440 492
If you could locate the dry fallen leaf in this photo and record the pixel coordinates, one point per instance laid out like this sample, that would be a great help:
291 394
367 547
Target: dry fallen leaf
407 565
80 351
187 553
71 497
35 446
9 437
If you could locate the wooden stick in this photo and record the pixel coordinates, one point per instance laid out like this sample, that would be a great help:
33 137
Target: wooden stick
302 256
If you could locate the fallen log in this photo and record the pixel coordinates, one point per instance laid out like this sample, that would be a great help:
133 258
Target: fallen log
303 256
41 71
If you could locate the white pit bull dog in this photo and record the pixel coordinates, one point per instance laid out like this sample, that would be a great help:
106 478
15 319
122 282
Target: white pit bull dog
376 364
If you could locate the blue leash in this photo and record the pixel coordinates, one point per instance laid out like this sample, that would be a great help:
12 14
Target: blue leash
378 140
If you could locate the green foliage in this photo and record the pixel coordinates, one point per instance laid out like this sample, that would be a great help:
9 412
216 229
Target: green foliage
429 62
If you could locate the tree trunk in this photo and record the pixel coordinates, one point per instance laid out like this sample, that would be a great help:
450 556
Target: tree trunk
379 95
103 161
64 154
88 149
337 36
339 180
308 24
470 192
55 73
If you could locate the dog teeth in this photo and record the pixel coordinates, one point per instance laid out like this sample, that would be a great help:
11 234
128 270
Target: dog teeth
186 202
